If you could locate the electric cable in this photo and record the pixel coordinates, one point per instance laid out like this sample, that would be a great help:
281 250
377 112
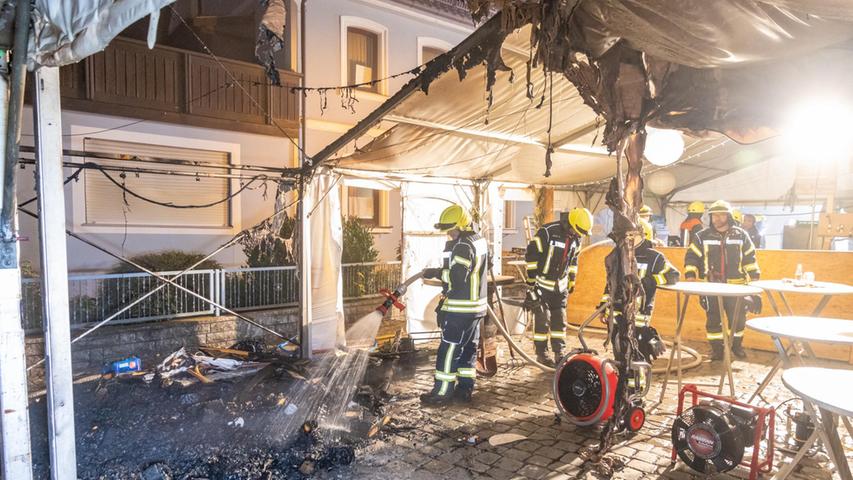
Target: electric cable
172 280
130 192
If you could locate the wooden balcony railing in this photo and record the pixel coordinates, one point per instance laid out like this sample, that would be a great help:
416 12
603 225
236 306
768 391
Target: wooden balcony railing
178 86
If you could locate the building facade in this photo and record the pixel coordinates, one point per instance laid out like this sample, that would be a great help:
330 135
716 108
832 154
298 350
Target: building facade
179 102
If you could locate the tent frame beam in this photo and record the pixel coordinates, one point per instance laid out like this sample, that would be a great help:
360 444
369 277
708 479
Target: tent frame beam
490 135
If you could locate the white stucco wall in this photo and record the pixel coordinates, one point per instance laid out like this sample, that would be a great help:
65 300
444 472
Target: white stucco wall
404 27
253 149
406 30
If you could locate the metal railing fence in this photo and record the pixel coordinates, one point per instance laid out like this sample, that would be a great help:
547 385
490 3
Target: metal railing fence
93 298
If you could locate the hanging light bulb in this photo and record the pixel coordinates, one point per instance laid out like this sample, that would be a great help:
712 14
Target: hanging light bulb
663 147
661 182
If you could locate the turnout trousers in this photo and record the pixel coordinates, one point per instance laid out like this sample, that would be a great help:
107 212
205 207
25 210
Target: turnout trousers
549 322
455 363
714 326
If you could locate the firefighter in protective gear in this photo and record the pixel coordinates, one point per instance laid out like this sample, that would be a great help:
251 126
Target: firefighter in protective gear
552 265
737 217
692 224
724 253
749 225
654 270
461 309
646 213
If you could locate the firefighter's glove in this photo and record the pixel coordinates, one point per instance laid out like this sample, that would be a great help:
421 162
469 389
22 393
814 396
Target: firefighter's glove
704 302
605 312
532 300
753 304
650 343
432 273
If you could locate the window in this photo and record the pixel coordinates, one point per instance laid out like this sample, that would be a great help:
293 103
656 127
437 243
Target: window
368 205
105 204
362 57
429 48
428 53
364 53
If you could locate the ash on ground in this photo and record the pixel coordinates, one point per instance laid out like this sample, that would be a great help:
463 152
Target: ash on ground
251 426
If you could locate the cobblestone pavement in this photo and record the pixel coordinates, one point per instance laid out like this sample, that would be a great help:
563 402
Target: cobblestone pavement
424 443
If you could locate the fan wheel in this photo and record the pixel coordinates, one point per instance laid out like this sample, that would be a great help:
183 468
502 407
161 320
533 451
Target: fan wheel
708 439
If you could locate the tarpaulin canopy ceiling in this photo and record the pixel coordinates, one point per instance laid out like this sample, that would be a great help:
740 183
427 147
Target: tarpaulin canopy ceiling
726 66
450 132
67 31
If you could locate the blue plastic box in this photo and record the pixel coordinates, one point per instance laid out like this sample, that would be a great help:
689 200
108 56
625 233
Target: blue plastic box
130 364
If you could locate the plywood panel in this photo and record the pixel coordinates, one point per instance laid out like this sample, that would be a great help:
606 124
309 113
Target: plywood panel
775 264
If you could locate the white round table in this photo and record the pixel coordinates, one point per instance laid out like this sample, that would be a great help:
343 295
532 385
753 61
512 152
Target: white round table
822 388
705 289
818 387
781 287
820 329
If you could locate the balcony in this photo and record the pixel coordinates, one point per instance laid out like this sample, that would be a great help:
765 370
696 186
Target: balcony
179 86
451 9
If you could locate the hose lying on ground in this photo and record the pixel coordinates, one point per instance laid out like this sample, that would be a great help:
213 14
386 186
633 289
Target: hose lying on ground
514 345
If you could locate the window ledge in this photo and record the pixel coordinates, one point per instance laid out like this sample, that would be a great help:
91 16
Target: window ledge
371 96
511 230
381 230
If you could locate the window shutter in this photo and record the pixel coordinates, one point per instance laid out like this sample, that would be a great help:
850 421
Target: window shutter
105 202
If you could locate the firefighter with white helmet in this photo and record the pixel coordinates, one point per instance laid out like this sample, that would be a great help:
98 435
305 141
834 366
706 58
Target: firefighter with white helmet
724 253
552 264
463 306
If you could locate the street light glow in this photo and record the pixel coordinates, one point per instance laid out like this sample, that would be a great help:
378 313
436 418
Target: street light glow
818 130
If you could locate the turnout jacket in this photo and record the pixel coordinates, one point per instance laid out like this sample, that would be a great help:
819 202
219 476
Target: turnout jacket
722 257
463 274
693 225
654 270
552 259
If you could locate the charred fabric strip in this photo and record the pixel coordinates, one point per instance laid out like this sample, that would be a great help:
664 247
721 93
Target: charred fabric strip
271 33
615 85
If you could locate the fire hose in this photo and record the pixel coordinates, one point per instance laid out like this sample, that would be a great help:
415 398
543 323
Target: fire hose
697 357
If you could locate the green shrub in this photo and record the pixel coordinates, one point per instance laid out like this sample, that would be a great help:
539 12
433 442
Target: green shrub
270 249
166 261
358 246
114 294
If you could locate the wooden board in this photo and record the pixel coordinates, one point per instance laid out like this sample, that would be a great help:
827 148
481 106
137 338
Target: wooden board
775 264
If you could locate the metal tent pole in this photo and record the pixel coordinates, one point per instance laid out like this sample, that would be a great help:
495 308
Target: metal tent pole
54 262
14 421
305 306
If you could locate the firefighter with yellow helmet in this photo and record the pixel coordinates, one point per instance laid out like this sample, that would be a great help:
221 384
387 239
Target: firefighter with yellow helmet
552 264
645 214
692 224
724 253
463 306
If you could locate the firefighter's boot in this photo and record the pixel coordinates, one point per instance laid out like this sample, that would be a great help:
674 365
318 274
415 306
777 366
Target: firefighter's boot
737 348
717 353
543 358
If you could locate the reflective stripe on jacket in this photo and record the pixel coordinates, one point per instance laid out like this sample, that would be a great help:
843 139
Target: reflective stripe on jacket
463 274
722 257
552 259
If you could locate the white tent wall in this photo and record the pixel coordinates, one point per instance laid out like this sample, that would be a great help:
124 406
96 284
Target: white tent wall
769 180
423 245
327 312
